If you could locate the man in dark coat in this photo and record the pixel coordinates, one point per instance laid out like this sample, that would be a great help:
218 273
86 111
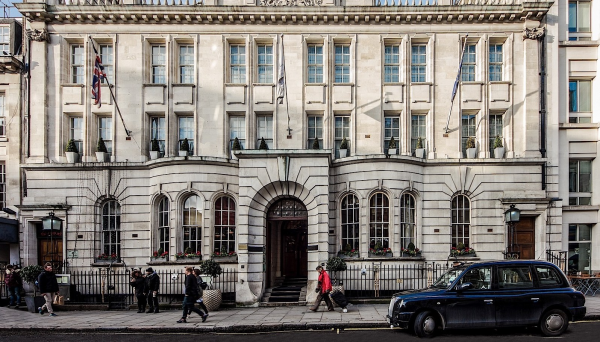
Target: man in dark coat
191 294
152 285
139 284
14 283
48 287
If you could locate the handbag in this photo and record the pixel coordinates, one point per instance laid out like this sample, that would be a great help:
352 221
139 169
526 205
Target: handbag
59 300
318 289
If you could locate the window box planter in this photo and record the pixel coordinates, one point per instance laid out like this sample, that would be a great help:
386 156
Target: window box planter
499 152
230 259
392 151
379 255
343 153
420 153
183 153
154 155
72 157
101 157
471 153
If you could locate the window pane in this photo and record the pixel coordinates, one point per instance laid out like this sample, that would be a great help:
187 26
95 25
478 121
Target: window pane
583 16
585 96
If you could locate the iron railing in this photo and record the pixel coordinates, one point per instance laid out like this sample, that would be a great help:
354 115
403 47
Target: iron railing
559 258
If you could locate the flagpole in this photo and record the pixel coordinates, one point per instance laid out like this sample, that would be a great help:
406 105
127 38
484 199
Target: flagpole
128 132
455 88
281 82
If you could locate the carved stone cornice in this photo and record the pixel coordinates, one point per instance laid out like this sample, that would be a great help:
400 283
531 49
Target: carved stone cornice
38 35
534 33
290 3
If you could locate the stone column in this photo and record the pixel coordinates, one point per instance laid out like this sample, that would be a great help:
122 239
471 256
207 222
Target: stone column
38 38
531 97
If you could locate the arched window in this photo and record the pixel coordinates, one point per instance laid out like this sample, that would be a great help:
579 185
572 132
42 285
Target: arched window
111 229
461 219
224 225
379 221
163 225
192 224
407 220
350 222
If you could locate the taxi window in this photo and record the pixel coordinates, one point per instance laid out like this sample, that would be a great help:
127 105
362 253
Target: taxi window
514 277
548 276
480 277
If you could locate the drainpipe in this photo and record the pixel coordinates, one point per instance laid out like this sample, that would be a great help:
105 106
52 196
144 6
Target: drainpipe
542 63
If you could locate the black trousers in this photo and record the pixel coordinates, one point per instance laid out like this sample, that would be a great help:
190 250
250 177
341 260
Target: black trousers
188 306
141 302
152 302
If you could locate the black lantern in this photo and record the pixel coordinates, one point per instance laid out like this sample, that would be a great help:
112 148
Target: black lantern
51 222
512 216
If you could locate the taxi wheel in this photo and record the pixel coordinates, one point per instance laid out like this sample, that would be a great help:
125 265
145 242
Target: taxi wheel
554 322
425 324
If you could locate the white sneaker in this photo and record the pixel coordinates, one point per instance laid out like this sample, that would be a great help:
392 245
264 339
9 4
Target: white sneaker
345 310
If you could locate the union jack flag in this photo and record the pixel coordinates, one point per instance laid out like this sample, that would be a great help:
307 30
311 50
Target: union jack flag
99 76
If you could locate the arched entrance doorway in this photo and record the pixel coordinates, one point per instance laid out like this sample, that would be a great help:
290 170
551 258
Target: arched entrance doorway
287 241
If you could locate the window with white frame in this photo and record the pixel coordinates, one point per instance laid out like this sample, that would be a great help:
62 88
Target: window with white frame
469 63
391 129
4 39
461 220
237 129
418 63
341 131
163 225
111 229
580 248
106 55
264 130
159 64
77 64
315 131
76 132
105 132
315 63
391 64
495 130
158 133
186 64
580 20
237 63
342 63
191 223
408 220
418 129
350 214
2 184
468 130
580 182
495 62
265 63
2 115
580 101
186 131
224 225
379 221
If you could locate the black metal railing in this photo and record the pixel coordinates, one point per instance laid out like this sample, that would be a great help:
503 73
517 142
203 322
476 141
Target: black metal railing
559 258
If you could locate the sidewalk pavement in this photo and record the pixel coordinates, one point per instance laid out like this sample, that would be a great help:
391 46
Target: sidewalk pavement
224 320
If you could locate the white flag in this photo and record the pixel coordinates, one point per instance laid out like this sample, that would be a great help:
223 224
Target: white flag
281 73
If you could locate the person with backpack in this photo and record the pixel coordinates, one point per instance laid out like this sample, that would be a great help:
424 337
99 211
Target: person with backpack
151 288
14 284
190 296
49 288
139 284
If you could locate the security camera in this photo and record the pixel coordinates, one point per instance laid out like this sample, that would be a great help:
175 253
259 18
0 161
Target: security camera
174 276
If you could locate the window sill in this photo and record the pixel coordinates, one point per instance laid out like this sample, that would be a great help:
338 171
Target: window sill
107 264
578 125
154 85
581 208
73 85
184 85
183 261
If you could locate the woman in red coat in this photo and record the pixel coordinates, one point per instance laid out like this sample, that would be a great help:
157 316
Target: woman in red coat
323 290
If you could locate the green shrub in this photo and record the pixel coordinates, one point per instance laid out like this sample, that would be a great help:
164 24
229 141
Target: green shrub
185 145
155 147
344 144
236 144
263 144
392 143
419 143
471 142
336 264
71 147
498 142
101 146
315 144
211 268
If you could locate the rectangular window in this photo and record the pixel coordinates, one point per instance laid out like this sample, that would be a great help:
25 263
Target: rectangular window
342 63
264 129
2 116
2 185
418 63
495 131
391 63
265 64
342 130
315 131
186 64
159 63
514 277
186 130
580 101
158 133
392 129
163 225
237 129
315 63
237 64
76 132
469 63
579 20
495 62
580 248
77 64
468 130
4 39
580 182
105 132
106 55
418 125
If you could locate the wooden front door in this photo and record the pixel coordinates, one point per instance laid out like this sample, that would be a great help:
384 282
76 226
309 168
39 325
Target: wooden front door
50 248
295 244
525 237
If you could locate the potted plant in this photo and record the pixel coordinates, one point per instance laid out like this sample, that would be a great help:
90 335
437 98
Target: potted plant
184 148
461 250
71 152
392 146
101 150
379 250
224 256
263 144
419 149
498 148
160 254
235 147
316 145
411 251
343 148
334 265
471 149
212 297
30 274
154 149
348 252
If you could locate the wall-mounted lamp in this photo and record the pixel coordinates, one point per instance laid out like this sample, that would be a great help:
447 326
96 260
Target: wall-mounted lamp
51 222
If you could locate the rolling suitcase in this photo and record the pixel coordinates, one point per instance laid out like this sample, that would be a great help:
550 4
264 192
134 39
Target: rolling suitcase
339 298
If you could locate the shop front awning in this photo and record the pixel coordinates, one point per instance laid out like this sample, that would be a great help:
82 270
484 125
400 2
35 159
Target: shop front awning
9 230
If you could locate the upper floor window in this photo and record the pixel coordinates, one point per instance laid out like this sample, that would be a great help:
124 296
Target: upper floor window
158 133
580 182
341 131
496 61
350 215
237 129
407 220
315 63
191 223
379 221
105 132
469 63
4 39
468 130
461 220
111 228
224 225
186 131
159 63
264 125
580 101
2 185
391 64
418 63
76 132
163 225
2 116
237 63
495 130
315 131
392 129
579 20
186 64
265 64
106 56
77 64
418 126
342 63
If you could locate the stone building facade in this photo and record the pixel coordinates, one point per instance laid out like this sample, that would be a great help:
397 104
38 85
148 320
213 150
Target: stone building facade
355 70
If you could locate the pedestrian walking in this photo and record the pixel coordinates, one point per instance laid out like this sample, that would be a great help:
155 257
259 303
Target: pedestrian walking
323 289
49 288
14 283
201 286
190 296
152 286
139 284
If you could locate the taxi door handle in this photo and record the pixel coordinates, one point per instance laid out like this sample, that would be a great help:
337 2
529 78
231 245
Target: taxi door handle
488 301
535 299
